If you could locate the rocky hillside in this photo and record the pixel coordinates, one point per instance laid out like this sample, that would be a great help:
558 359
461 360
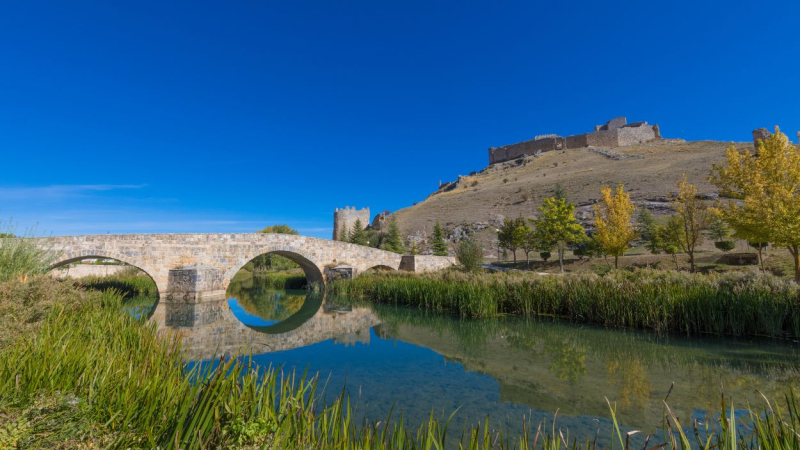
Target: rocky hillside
478 202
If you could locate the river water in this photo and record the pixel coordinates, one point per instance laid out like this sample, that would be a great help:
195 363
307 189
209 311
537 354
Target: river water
402 359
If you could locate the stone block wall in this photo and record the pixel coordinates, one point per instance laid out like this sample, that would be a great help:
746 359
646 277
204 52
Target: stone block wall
615 133
635 133
508 152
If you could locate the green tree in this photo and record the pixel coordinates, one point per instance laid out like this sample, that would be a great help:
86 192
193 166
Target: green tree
438 244
392 240
512 235
279 229
670 237
527 240
557 226
719 228
359 235
270 261
469 255
344 235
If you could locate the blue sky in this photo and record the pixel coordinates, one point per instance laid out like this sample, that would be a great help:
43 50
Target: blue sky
230 116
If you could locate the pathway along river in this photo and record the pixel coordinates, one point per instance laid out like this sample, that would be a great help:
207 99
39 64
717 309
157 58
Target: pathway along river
509 367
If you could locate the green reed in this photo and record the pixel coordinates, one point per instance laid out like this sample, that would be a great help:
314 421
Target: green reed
282 280
91 374
733 304
20 256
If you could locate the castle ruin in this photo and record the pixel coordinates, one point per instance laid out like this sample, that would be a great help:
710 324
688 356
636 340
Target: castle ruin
616 132
345 218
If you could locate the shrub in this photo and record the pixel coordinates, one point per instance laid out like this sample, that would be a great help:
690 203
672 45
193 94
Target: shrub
725 246
469 254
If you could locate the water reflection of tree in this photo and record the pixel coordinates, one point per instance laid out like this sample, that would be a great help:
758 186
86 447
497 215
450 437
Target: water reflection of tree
258 300
568 360
633 362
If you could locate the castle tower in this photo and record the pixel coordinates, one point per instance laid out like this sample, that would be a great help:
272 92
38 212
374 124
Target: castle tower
345 218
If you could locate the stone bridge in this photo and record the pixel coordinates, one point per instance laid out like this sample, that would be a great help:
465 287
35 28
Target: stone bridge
188 266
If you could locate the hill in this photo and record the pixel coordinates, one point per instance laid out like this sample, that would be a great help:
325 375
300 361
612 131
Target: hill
478 202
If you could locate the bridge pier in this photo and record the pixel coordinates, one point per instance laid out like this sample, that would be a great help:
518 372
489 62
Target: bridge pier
195 284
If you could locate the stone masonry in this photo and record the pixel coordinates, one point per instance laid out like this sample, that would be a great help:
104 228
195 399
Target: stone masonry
210 329
616 132
183 265
345 218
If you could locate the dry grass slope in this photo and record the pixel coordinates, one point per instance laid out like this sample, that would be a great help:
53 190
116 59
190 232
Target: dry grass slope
648 170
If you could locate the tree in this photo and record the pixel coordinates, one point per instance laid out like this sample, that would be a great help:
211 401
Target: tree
527 240
670 236
391 240
719 228
767 183
560 192
695 218
279 229
344 235
271 261
359 235
612 221
438 244
469 254
556 226
510 237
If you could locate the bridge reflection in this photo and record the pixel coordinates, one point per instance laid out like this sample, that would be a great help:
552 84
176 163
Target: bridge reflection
210 329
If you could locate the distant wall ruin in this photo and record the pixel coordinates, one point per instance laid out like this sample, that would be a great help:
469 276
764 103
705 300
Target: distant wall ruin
345 218
617 132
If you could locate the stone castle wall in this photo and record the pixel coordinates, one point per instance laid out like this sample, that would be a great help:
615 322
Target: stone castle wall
615 133
345 218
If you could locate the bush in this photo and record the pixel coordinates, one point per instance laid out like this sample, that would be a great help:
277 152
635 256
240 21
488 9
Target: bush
469 254
725 246
545 256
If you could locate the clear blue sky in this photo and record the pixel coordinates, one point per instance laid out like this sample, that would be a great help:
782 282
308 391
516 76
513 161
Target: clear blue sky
230 116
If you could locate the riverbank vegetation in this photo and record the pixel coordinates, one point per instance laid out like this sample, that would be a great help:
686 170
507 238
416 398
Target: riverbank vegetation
82 374
739 304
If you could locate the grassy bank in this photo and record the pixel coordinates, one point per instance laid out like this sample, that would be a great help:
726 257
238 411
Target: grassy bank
87 376
743 304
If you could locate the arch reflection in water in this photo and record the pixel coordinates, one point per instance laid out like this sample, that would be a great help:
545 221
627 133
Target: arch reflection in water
211 329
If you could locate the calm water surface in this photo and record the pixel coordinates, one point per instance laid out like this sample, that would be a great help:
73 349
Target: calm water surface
510 367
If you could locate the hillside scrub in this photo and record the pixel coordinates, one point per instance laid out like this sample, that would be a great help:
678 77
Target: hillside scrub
739 304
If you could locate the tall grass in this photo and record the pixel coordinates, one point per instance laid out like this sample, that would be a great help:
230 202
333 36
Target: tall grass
294 279
20 257
93 375
740 304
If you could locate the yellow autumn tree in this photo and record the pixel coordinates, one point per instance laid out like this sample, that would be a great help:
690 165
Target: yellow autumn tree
765 186
613 228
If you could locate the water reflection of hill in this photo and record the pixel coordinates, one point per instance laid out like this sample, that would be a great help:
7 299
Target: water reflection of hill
555 366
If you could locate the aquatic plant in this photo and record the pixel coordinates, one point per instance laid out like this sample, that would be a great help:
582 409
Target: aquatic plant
741 304
91 376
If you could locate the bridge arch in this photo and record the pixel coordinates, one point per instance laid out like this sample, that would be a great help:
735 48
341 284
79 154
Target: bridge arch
76 256
312 271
